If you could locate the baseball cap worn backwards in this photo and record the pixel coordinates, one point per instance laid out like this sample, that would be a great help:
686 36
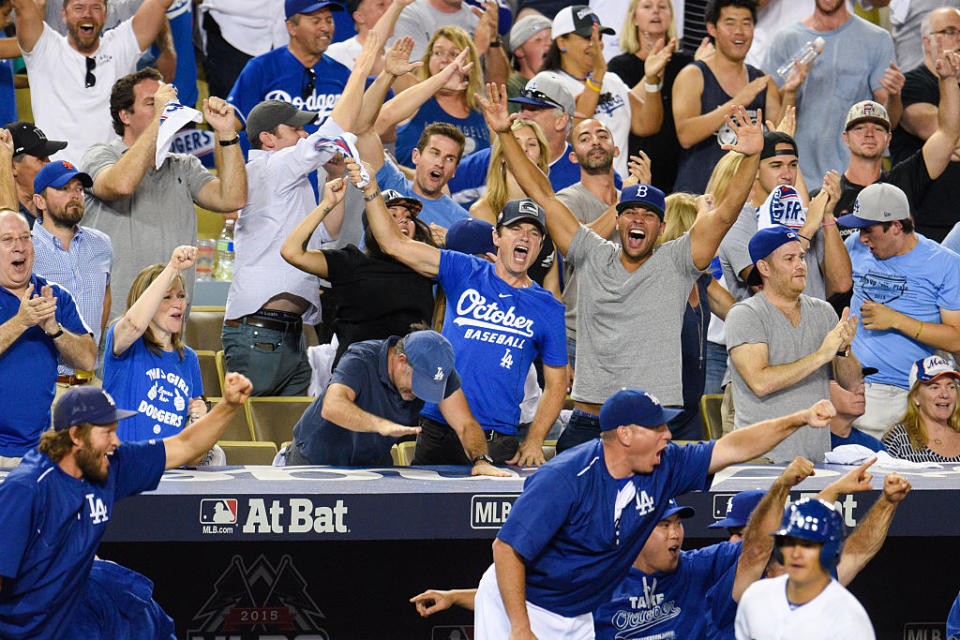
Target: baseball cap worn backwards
270 113
879 202
525 28
765 242
57 174
393 198
87 404
431 357
578 19
633 406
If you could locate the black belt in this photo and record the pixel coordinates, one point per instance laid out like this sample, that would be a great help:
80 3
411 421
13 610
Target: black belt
275 323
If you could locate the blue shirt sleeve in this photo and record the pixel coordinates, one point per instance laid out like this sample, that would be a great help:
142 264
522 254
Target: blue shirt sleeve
454 268
471 172
16 513
247 90
351 372
67 313
553 351
538 513
453 383
139 466
688 467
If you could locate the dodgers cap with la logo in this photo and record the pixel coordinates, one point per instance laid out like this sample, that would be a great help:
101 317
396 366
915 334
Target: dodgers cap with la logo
633 406
431 357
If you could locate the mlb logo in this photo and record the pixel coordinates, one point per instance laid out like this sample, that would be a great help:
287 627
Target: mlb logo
721 505
218 511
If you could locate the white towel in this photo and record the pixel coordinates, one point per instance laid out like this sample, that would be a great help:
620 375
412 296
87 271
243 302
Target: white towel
175 115
856 454
782 206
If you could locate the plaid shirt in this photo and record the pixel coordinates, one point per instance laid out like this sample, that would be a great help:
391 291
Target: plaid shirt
83 270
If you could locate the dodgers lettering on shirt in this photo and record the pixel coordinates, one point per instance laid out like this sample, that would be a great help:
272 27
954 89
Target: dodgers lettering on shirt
496 332
917 284
665 606
563 523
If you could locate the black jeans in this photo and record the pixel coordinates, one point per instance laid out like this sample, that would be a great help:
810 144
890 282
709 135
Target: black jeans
439 444
223 62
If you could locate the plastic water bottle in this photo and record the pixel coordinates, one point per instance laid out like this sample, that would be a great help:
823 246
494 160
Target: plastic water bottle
224 268
804 56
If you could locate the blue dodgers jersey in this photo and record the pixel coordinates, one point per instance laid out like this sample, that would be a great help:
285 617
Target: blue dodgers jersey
159 387
496 331
52 525
563 522
721 607
665 605
918 284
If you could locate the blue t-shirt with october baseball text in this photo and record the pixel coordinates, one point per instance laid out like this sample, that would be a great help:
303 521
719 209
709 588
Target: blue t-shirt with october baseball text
496 331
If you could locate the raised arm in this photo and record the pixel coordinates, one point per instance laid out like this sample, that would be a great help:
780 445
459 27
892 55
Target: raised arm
197 438
694 126
384 26
712 224
561 223
345 112
148 20
646 107
939 146
496 66
294 249
29 21
121 179
530 451
836 266
228 191
455 76
757 439
135 321
589 98
419 256
8 188
765 519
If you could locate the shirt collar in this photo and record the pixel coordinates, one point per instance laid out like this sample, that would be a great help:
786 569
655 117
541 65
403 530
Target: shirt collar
39 231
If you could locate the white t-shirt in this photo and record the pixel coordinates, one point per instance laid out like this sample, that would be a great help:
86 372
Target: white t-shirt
345 52
63 108
252 26
613 109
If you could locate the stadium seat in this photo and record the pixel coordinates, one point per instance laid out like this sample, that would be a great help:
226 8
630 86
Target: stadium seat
710 415
204 328
209 373
221 366
273 417
404 453
239 452
239 427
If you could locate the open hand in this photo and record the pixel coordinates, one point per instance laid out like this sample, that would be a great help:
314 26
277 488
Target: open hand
396 61
749 133
495 108
529 454
484 468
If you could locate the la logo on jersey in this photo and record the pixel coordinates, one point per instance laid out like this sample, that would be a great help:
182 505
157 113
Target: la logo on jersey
646 611
487 322
98 510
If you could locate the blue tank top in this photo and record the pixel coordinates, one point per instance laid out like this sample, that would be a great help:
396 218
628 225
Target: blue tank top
473 128
697 162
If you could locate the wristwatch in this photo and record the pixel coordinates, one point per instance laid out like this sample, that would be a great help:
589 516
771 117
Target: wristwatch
484 458
54 336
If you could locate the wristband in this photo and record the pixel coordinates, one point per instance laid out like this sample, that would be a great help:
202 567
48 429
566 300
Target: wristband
800 235
828 224
235 140
916 336
372 196
592 86
496 43
54 336
652 88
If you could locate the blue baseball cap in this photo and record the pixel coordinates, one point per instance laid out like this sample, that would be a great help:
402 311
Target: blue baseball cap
765 242
431 357
633 406
86 404
642 195
739 508
522 209
471 236
293 7
57 174
673 507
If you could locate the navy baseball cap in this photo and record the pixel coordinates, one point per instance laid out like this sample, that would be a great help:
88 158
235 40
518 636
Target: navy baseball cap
86 404
471 236
523 209
431 357
739 508
765 242
293 7
57 174
673 507
633 406
394 198
642 195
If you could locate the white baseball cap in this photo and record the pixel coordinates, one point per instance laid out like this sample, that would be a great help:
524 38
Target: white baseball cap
578 19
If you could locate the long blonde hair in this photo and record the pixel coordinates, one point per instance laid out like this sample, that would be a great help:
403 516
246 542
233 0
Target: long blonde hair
723 174
462 40
679 216
140 284
629 40
496 194
913 421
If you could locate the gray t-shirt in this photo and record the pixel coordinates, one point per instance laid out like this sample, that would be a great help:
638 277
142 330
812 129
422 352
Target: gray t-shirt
419 20
629 323
586 207
756 321
735 257
146 227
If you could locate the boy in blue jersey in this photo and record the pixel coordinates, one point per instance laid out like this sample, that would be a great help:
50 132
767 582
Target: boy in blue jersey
583 518
55 506
498 320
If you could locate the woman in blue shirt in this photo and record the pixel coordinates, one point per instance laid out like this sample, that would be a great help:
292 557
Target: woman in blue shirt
455 102
146 365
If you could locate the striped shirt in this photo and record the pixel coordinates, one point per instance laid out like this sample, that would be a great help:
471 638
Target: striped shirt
83 270
898 445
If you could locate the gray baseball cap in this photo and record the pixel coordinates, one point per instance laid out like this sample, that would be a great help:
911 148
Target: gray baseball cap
270 113
879 202
867 110
525 28
547 89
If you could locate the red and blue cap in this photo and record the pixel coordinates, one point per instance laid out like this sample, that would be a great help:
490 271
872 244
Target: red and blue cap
930 368
87 404
431 357
633 406
642 195
57 174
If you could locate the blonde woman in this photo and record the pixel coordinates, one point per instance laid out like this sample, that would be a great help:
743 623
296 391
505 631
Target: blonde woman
454 102
930 428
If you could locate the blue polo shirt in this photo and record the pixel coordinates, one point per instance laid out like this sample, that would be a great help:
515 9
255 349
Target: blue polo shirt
564 525
857 437
665 605
442 211
28 369
52 526
363 368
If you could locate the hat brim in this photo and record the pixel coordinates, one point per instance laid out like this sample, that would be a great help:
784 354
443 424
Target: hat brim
316 6
953 374
857 121
523 217
630 204
426 388
856 222
869 371
411 204
48 148
726 523
684 511
85 180
586 32
532 102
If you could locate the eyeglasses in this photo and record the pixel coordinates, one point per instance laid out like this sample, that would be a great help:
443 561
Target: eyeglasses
950 32
8 242
540 96
91 79
307 90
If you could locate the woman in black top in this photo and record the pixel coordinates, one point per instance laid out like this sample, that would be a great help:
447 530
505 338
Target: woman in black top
375 296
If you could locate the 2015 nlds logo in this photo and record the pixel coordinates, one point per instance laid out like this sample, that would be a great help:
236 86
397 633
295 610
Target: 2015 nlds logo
286 515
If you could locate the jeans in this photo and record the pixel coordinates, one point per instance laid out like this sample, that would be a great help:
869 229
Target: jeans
581 428
716 367
275 361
